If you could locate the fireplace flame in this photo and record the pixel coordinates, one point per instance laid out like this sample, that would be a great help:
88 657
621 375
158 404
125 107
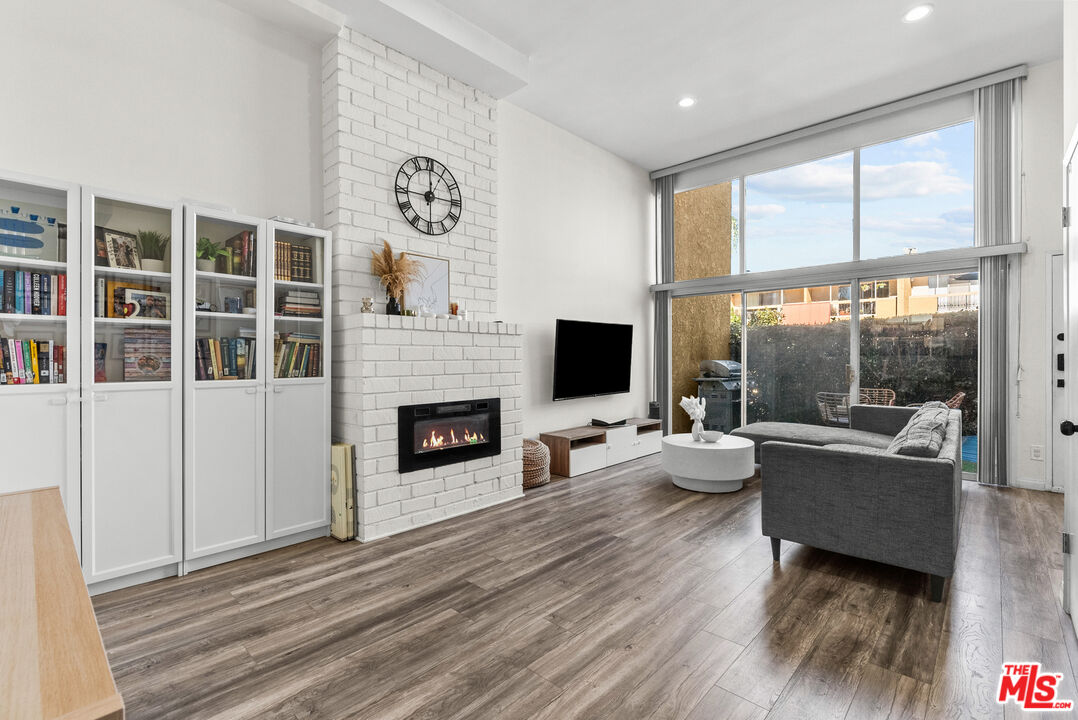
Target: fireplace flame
438 441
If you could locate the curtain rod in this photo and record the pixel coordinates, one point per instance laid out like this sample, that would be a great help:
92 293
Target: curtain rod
1019 71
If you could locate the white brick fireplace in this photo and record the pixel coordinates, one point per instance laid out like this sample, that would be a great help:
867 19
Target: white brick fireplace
404 361
380 108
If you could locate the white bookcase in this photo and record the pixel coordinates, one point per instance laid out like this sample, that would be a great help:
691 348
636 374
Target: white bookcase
39 422
131 384
298 404
225 407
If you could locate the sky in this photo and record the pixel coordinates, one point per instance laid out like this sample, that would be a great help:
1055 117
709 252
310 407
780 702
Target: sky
916 192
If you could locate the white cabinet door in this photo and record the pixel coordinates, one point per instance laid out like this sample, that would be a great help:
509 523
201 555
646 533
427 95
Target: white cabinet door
225 492
131 481
39 444
648 443
586 458
297 471
620 444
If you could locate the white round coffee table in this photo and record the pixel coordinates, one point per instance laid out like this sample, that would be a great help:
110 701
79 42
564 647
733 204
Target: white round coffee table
717 467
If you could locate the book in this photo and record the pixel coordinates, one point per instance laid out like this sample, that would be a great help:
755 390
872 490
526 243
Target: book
100 353
61 300
5 364
61 364
27 293
9 291
47 306
44 363
34 370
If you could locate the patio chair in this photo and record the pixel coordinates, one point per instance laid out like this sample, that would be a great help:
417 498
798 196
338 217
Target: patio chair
834 408
955 403
877 396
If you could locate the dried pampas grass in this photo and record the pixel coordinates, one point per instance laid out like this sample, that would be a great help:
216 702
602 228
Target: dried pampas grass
394 273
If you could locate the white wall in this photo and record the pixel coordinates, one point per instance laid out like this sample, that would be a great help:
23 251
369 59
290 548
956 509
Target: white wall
1070 69
1042 193
190 99
574 237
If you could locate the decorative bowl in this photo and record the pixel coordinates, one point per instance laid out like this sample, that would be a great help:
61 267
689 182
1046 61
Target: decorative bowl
711 435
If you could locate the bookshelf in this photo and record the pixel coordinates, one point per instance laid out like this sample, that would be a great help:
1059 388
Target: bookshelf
224 388
39 425
132 384
298 404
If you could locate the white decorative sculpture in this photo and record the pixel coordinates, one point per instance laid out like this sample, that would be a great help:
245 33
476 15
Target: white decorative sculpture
694 406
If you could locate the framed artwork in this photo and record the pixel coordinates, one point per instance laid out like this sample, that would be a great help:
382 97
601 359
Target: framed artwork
122 250
147 304
430 289
32 231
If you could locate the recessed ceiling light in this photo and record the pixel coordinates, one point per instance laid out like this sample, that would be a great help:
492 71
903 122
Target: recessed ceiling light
917 12
686 102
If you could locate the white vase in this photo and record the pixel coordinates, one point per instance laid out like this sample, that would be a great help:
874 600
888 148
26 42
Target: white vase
153 265
205 265
697 431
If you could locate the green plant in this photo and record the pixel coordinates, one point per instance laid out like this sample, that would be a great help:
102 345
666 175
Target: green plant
207 249
152 245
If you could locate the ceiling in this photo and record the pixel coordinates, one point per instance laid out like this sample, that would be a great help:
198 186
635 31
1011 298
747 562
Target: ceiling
612 71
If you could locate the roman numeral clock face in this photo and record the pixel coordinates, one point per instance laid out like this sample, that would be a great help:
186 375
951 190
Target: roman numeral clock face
428 195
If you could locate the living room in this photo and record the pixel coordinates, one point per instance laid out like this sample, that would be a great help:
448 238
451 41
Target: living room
536 360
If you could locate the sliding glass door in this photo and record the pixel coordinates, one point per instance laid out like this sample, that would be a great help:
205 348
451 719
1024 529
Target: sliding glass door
918 342
797 355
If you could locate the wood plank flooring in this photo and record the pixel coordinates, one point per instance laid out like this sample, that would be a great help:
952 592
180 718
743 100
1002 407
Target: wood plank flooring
613 595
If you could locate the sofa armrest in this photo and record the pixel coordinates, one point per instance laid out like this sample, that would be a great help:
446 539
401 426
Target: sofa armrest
869 504
882 419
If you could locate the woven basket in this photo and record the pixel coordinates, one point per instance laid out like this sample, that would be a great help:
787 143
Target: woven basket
536 464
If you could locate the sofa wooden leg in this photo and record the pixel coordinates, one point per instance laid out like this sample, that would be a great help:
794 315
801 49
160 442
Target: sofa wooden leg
935 587
775 548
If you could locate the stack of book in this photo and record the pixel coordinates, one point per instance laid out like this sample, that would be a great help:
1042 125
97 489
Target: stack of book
292 262
241 259
300 303
33 293
297 355
229 358
32 362
147 354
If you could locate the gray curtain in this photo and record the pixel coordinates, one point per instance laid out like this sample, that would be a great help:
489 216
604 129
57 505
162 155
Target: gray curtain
664 207
993 108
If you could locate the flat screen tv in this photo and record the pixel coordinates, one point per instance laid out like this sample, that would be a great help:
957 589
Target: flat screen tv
591 358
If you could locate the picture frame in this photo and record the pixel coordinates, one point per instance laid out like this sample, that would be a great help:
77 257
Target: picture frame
430 290
147 355
148 304
122 250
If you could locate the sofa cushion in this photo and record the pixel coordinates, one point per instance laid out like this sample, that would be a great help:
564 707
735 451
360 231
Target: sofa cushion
761 432
923 434
857 449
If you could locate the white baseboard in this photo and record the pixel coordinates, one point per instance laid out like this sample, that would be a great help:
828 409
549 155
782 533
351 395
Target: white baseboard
257 548
124 581
465 511
1031 484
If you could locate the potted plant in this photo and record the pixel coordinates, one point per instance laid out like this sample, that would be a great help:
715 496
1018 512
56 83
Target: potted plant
206 254
153 248
395 274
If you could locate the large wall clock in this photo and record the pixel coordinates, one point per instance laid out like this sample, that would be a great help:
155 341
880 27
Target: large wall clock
428 195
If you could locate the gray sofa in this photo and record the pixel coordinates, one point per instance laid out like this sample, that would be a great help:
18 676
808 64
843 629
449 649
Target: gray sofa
839 489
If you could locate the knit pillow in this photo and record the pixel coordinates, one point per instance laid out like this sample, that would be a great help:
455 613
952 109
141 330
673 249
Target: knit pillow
923 434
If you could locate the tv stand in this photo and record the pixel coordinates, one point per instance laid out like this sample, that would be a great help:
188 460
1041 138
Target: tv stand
575 451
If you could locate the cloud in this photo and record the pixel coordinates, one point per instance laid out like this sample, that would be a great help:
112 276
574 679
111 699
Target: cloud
757 212
922 140
919 178
830 182
949 226
817 181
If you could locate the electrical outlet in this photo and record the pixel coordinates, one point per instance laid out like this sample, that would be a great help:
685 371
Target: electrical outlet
1036 452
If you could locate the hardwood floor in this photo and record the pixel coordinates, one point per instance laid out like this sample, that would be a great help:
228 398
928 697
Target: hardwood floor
613 595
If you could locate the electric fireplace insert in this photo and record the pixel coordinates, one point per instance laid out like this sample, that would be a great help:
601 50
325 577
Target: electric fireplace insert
438 434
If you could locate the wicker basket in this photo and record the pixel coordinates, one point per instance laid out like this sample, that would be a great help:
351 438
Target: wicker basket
536 464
